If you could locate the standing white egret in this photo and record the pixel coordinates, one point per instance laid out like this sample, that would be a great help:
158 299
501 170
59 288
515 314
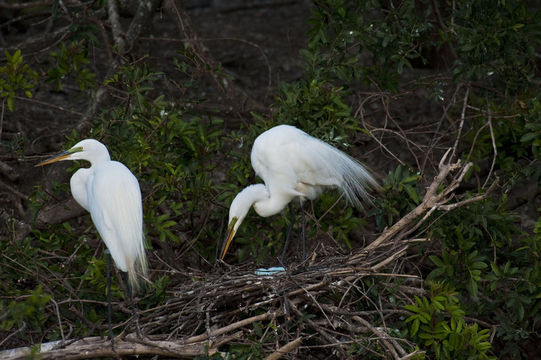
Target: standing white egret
294 165
110 192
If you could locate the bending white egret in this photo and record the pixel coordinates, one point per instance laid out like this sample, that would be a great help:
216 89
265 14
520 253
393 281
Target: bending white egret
294 165
110 192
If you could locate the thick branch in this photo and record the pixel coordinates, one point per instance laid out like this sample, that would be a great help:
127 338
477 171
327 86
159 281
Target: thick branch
116 28
287 348
98 347
58 213
25 5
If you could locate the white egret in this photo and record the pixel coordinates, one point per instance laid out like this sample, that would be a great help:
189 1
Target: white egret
110 192
295 165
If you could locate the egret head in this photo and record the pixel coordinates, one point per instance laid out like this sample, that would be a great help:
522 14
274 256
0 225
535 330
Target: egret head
88 149
239 208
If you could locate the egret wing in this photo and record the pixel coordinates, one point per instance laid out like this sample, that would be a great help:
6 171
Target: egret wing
287 153
115 206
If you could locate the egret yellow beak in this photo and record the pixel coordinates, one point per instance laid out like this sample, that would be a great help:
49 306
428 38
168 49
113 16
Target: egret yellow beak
230 235
62 156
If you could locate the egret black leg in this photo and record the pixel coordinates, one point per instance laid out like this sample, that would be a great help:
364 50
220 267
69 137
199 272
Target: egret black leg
132 306
109 309
288 232
303 233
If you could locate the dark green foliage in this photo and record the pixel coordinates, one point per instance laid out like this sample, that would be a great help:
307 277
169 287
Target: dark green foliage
532 128
495 41
344 34
16 76
27 314
439 325
318 108
480 40
497 276
70 61
489 43
399 195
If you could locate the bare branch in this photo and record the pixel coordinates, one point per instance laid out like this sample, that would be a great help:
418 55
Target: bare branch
25 5
462 117
286 349
97 347
382 336
116 28
494 147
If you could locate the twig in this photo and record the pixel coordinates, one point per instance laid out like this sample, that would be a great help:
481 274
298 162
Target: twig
287 348
25 5
462 117
48 104
470 200
494 148
382 336
228 328
431 201
411 355
21 329
59 319
13 190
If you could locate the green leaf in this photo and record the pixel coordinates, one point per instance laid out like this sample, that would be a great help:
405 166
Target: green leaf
415 327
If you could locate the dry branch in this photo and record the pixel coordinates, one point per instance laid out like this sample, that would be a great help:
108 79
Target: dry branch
96 347
287 348
25 5
433 200
59 212
8 171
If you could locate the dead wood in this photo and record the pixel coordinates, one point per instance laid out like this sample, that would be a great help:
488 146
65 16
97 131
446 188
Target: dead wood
287 348
96 347
8 171
59 212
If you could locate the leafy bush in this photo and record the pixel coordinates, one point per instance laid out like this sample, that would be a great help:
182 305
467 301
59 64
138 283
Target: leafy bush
16 76
71 60
399 195
438 324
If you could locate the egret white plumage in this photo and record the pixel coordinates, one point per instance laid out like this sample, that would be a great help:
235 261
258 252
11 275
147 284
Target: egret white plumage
295 165
110 192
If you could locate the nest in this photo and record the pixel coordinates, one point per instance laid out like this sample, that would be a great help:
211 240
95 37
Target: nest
321 310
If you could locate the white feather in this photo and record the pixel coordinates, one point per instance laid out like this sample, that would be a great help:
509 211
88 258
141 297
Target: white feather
287 159
110 192
293 165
